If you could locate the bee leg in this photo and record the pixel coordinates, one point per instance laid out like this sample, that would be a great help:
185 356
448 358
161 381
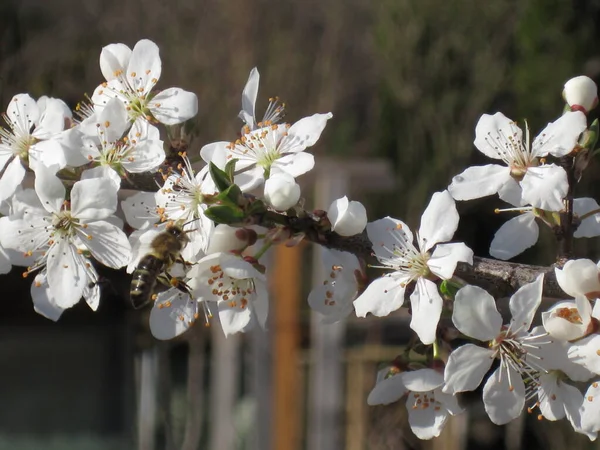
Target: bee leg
177 283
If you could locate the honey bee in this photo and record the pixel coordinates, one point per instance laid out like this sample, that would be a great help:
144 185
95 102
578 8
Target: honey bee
154 267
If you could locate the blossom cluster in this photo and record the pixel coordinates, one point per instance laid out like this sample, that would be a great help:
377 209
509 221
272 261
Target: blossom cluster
198 246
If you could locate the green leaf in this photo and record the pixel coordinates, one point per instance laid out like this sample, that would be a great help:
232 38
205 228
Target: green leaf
219 177
224 214
449 289
256 207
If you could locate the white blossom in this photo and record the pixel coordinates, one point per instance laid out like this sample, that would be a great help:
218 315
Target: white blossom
522 180
394 248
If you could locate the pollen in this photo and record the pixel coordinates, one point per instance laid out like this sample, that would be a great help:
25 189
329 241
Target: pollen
133 74
590 398
511 388
595 384
106 124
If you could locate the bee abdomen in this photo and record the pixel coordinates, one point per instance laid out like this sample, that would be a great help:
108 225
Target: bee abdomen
144 280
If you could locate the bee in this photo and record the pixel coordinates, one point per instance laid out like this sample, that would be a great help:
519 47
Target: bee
154 266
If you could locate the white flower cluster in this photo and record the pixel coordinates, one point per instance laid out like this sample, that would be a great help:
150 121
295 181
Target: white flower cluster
195 248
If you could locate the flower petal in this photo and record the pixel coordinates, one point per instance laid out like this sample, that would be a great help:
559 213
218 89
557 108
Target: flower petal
388 233
294 164
479 181
382 296
172 315
423 380
579 277
108 244
114 58
515 236
445 257
249 99
23 111
43 302
49 189
425 422
144 68
439 221
590 409
494 133
233 318
524 303
388 390
66 274
304 133
475 313
93 199
11 178
173 106
426 304
545 187
590 226
504 396
466 367
560 137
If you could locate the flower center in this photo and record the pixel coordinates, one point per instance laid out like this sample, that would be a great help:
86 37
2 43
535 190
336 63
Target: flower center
236 292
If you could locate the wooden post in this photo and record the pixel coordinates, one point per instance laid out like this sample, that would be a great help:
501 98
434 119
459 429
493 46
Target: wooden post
224 382
286 289
147 404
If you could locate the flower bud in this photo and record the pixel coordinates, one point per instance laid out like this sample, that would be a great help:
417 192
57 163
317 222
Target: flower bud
281 191
347 218
581 94
227 239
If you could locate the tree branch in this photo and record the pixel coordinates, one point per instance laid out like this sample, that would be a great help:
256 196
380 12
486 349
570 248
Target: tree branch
499 278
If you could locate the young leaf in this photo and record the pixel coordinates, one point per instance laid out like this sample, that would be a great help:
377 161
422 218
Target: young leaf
220 178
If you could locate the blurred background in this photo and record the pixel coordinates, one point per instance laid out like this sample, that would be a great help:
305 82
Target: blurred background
406 82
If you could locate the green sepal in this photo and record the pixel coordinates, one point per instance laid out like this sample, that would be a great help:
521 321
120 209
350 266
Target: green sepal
230 196
230 169
448 289
256 207
224 214
219 176
589 138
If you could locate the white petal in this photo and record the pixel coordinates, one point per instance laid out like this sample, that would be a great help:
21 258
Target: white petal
504 396
590 226
475 313
91 295
104 173
66 275
52 119
439 221
545 187
140 209
585 353
479 181
560 137
388 390
512 193
23 111
11 178
551 402
590 410
381 297
388 233
304 133
524 303
93 199
49 189
43 302
515 236
237 268
172 315
294 164
426 304
494 133
234 319
249 99
466 367
114 58
425 422
445 257
5 264
173 106
144 68
108 244
217 153
260 304
423 380
112 121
